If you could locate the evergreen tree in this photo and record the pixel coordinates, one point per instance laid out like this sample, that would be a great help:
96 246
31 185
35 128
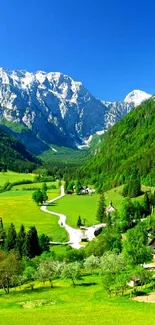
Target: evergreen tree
45 196
77 187
133 187
126 214
79 222
32 243
44 243
21 241
125 190
66 185
101 211
70 186
2 234
10 242
137 210
146 204
109 220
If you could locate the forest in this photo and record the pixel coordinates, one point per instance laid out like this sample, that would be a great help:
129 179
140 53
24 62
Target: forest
128 148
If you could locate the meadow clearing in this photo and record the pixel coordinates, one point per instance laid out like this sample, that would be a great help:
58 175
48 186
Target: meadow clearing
85 304
17 207
85 206
14 177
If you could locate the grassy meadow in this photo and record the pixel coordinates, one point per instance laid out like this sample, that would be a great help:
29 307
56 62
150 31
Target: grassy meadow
33 185
14 177
18 207
85 206
86 304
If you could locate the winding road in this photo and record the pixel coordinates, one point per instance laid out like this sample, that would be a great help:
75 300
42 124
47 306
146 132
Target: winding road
75 235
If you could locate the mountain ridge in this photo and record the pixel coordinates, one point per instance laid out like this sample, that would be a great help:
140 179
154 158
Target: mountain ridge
52 108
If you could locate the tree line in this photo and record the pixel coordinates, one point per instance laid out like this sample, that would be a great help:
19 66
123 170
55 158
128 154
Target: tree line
24 243
131 211
113 269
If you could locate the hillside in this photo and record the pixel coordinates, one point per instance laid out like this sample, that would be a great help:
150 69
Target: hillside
14 156
127 147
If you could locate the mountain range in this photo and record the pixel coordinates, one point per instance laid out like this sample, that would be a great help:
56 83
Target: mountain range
46 109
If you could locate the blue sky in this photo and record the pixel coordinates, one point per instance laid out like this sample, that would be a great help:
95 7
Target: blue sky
108 45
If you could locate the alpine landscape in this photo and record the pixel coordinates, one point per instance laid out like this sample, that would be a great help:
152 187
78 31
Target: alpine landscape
77 164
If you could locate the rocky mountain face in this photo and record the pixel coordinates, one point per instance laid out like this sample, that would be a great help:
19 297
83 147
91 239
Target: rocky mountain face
42 109
117 110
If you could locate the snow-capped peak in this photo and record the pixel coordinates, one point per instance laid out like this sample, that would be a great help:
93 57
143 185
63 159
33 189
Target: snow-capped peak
137 97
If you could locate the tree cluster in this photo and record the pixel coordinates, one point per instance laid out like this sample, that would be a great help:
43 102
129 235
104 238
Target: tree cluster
132 212
133 187
40 196
23 243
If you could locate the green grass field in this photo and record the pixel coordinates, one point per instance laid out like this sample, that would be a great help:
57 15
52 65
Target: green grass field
86 206
18 207
14 177
33 185
86 304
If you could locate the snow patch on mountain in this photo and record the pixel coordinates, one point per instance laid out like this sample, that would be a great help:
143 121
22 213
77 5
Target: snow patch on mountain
136 97
57 109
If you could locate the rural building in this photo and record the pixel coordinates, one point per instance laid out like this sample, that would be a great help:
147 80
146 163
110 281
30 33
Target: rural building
110 208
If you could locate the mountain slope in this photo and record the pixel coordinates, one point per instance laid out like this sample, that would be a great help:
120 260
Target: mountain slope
55 108
52 108
14 156
127 147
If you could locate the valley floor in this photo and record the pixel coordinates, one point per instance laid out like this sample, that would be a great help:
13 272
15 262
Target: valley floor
86 304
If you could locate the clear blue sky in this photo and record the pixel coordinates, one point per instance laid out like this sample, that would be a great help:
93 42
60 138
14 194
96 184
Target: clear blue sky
109 45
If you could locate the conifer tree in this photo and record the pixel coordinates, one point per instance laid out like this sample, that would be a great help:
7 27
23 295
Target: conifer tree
44 243
79 222
2 233
10 242
101 211
21 241
146 204
45 196
32 243
66 184
77 187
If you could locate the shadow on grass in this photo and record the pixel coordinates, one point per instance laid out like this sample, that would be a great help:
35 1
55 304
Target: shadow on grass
52 204
140 293
86 284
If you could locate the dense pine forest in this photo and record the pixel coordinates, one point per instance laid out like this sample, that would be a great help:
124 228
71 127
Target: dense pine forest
128 148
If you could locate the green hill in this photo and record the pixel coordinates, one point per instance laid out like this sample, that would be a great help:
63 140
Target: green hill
128 147
14 156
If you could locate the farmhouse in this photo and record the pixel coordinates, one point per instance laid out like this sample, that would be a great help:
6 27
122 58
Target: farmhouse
87 190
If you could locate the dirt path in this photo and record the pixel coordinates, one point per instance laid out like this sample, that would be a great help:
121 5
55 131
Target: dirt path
150 297
75 235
